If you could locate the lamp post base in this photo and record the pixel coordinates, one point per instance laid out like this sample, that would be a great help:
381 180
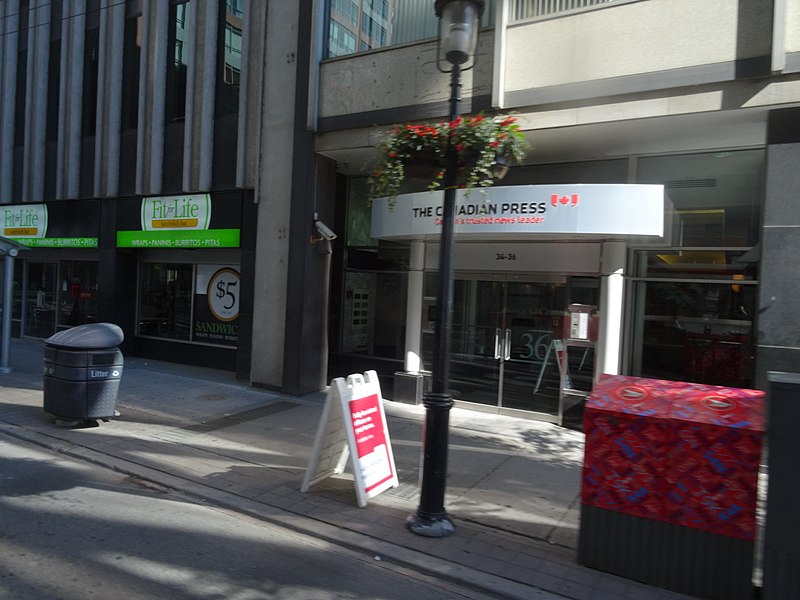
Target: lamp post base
437 527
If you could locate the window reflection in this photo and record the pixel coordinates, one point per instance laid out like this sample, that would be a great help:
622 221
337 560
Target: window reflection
359 25
132 51
228 101
716 196
180 40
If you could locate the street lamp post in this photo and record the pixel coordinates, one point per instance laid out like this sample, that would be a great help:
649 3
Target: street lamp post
458 31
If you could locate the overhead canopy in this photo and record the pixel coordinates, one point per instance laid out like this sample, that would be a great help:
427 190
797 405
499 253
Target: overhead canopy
6 245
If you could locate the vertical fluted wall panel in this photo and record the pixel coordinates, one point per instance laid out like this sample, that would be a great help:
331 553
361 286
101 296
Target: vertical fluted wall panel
36 101
152 87
251 93
200 96
9 34
109 99
70 102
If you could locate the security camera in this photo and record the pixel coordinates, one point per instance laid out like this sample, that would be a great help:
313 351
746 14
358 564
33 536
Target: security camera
324 231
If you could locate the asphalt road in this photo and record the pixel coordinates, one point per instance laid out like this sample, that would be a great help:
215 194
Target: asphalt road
74 531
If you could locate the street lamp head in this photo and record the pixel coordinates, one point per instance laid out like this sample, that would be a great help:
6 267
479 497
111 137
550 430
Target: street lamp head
458 29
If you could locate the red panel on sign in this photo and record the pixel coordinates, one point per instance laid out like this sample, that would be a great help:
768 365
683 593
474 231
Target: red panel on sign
373 451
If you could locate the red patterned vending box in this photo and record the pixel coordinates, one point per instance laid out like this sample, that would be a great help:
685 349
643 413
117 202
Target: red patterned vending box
628 437
713 464
669 485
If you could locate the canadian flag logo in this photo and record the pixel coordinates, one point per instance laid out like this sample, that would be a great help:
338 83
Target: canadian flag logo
572 200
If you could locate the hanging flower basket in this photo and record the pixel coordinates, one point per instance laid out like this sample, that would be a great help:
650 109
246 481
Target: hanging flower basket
423 166
485 147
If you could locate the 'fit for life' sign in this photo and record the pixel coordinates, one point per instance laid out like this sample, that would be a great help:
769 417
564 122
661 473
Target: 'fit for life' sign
353 425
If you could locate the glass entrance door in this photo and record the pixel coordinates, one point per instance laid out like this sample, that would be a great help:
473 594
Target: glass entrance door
502 349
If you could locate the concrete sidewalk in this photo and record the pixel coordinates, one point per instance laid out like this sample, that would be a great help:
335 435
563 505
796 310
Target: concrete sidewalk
512 490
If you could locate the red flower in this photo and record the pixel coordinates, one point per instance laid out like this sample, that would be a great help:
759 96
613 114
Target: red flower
459 147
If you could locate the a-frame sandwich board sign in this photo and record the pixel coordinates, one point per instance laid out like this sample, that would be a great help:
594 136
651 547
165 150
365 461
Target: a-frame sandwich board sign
353 425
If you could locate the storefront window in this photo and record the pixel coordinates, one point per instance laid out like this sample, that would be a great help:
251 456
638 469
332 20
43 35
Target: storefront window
53 295
40 299
695 302
165 300
77 302
696 331
190 302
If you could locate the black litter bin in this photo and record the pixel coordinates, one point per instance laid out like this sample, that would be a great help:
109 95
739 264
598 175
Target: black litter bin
82 371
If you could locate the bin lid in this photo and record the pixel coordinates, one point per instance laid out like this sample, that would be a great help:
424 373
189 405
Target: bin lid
92 336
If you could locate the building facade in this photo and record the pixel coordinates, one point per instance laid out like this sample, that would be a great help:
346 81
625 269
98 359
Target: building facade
165 163
702 100
146 163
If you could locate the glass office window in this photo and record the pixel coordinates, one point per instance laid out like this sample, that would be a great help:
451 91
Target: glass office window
231 51
91 62
370 24
54 73
180 39
132 52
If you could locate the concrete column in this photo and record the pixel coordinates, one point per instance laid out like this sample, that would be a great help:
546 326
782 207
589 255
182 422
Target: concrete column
70 101
36 101
278 69
778 342
9 35
152 89
612 287
416 284
201 81
109 99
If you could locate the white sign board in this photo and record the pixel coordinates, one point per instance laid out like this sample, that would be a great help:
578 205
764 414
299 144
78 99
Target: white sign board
590 211
353 425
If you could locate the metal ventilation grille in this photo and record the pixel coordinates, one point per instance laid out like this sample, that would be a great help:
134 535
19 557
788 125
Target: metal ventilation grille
690 183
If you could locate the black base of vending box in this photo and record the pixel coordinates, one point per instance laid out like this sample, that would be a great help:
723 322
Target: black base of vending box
677 558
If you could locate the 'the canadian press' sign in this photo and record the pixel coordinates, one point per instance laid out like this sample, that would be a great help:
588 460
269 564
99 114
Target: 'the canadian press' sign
353 425
594 211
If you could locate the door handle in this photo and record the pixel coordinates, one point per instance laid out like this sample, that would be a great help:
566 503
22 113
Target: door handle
507 346
497 344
